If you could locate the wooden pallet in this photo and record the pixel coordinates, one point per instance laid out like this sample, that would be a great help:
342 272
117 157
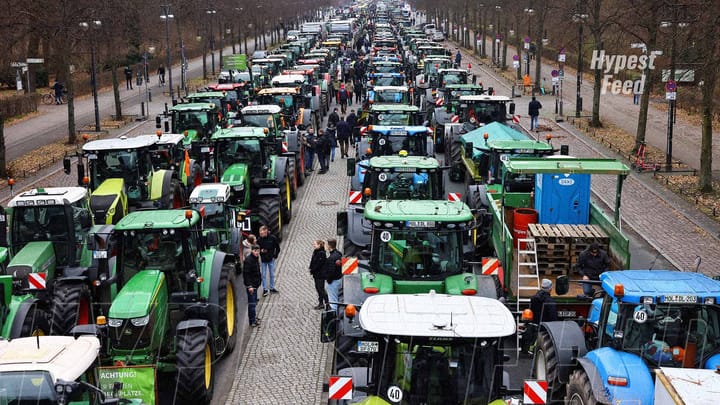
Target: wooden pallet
553 268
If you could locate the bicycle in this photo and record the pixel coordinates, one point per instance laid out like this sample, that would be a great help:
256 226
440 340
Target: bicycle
49 98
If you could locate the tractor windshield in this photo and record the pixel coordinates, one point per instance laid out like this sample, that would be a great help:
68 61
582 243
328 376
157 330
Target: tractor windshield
392 118
213 214
190 120
213 100
388 81
390 96
127 164
403 186
258 120
157 250
410 253
27 387
414 145
663 334
239 150
454 78
386 68
486 112
452 372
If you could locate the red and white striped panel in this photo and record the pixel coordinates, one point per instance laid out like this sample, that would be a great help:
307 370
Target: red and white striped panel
490 266
535 392
284 147
440 102
340 388
516 119
455 119
355 197
36 281
454 197
349 265
363 130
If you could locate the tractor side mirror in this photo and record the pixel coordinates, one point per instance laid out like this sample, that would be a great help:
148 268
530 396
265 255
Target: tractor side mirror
66 164
212 238
328 326
474 79
512 108
5 290
342 223
158 122
81 173
314 91
351 167
562 285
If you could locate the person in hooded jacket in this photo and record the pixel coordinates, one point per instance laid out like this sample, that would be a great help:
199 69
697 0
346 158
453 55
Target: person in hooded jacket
252 280
317 267
333 273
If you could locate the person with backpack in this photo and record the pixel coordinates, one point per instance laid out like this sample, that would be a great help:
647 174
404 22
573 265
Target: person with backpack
342 98
343 133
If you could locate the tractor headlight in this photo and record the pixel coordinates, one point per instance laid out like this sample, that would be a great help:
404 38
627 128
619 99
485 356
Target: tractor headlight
239 187
140 321
115 323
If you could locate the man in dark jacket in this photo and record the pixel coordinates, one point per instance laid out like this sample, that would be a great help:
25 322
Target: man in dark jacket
333 273
252 280
534 111
592 262
343 136
333 118
322 148
317 269
543 309
269 251
351 120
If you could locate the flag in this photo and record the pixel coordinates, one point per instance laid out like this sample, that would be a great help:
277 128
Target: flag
187 163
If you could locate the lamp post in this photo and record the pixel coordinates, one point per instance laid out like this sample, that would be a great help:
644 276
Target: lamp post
579 18
96 24
166 16
211 14
530 12
150 50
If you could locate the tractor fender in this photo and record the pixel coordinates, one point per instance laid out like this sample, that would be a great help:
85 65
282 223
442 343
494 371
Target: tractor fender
167 183
352 294
293 141
598 389
430 146
160 184
358 229
213 274
18 310
608 362
192 324
565 336
280 169
269 191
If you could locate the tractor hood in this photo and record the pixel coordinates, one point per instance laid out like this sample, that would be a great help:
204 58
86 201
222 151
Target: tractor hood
235 174
35 257
136 298
105 200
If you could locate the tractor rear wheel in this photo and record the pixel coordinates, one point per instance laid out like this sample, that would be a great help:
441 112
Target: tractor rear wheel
70 307
269 212
545 363
293 175
35 323
579 391
300 168
176 197
195 374
227 322
286 199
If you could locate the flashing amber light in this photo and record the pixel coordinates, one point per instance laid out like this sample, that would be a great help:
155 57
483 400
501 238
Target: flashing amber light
403 153
548 137
437 65
486 136
617 381
119 363
186 132
619 290
368 151
350 311
85 137
371 290
97 283
371 101
469 65
101 320
188 214
469 291
367 192
200 279
158 133
11 182
527 315
265 131
412 90
587 328
86 180
369 127
678 353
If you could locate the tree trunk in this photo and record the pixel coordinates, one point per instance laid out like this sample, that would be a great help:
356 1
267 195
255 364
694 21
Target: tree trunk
539 48
709 81
505 42
72 138
3 165
597 37
645 99
116 89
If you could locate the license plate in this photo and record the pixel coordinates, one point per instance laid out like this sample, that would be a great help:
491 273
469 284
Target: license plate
99 254
368 346
398 132
566 314
681 299
420 224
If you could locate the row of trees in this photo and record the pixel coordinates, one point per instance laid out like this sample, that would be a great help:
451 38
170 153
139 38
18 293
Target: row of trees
686 31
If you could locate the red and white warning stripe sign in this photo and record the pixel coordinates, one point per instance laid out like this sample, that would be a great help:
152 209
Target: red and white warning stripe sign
440 102
355 197
340 388
535 392
349 265
516 119
36 281
455 119
454 197
363 130
490 266
284 147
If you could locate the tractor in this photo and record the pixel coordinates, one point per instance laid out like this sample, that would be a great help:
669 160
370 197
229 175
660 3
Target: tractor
212 201
384 140
442 107
176 308
196 121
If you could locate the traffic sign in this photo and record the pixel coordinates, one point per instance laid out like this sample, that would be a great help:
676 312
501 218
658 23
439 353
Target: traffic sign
515 57
561 57
18 64
516 64
554 73
670 95
35 60
670 86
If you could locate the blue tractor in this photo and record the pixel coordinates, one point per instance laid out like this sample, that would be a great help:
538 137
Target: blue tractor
643 320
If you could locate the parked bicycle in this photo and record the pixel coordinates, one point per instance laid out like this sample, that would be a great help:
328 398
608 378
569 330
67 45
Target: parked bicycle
49 97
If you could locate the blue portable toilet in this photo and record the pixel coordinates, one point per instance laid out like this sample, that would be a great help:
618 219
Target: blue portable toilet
562 198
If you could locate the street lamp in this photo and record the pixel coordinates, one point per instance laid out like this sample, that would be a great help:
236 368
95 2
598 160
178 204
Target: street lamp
210 14
96 24
579 18
166 16
150 50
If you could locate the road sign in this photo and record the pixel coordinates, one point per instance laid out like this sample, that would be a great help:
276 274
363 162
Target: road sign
18 64
561 57
516 64
670 95
515 57
35 60
670 86
561 73
554 73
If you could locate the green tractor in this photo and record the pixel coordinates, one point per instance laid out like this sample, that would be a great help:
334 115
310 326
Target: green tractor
122 177
212 201
260 181
176 309
196 121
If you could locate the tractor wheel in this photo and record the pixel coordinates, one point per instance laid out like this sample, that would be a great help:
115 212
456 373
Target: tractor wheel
579 391
176 198
300 169
316 121
292 174
286 200
195 374
545 363
269 212
350 249
35 323
70 307
227 322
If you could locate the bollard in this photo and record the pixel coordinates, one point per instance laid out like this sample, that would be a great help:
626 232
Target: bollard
149 100
166 109
142 108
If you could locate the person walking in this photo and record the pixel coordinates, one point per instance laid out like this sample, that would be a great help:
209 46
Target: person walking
358 89
58 88
343 133
252 280
351 120
334 117
332 138
592 262
322 148
342 98
636 92
317 269
128 78
349 87
161 75
534 111
310 142
458 58
333 273
269 251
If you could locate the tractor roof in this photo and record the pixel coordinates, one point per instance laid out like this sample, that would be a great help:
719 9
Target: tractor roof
461 86
661 284
452 70
194 107
390 88
64 357
206 94
417 210
278 90
485 98
564 164
227 86
404 163
240 132
436 315
141 141
496 132
291 79
49 196
210 193
391 108
173 139
398 130
261 109
156 219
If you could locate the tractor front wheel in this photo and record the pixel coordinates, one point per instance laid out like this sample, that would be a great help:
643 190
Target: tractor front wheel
287 199
579 391
70 307
545 363
293 174
195 374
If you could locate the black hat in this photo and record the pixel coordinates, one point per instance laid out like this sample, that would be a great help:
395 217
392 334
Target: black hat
594 246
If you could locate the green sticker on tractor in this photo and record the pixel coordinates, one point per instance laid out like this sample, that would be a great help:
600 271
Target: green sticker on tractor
138 382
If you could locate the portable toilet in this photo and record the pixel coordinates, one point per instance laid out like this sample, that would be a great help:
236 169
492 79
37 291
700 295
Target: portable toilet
562 198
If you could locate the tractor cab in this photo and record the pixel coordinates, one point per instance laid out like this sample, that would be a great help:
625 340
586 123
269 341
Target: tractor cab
236 93
200 120
289 99
268 116
484 109
390 95
397 177
212 201
383 140
219 98
448 77
395 115
386 79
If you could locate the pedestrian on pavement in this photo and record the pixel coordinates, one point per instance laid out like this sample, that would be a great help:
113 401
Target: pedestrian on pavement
358 89
527 84
269 251
333 273
317 268
247 244
58 88
161 75
342 98
322 148
458 58
343 133
334 117
351 120
534 111
332 137
252 280
128 78
592 262
310 142
636 92
349 87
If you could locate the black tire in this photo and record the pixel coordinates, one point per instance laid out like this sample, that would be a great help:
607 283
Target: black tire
286 198
579 391
292 175
195 373
176 198
350 249
227 322
48 99
269 213
300 168
35 323
545 363
70 307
